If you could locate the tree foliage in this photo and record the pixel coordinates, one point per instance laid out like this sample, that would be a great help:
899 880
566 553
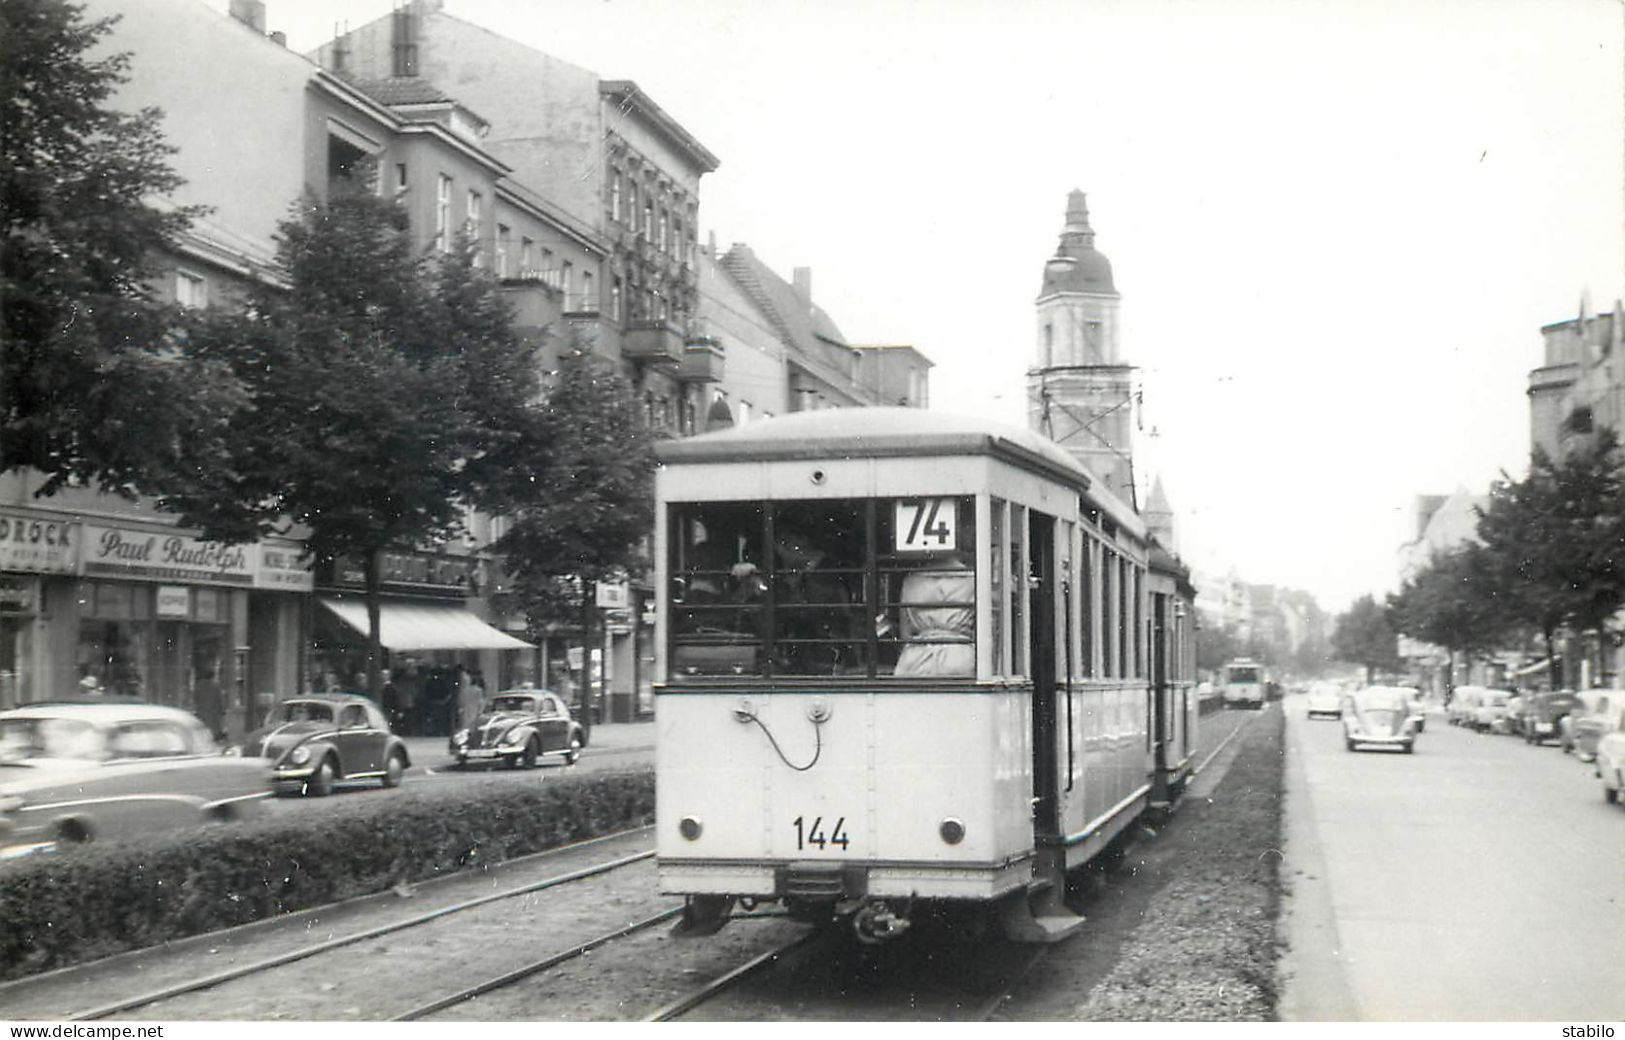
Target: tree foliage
1455 602
98 382
1363 636
385 392
581 490
1555 540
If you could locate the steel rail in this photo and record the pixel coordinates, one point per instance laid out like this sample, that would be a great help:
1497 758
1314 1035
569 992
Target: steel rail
553 960
179 989
990 1007
1215 752
726 981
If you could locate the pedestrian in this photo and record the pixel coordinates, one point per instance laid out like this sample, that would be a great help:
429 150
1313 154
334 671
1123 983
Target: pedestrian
390 696
470 695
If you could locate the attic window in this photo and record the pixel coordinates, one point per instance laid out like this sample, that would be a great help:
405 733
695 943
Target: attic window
1579 420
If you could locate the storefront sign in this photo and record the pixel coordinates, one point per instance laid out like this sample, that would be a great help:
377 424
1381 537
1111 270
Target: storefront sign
122 552
409 571
613 595
40 546
284 567
174 601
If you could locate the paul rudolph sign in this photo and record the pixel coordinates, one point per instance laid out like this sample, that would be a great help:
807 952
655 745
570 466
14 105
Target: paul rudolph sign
120 552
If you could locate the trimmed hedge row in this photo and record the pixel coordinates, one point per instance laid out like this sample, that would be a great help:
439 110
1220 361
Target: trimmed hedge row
92 901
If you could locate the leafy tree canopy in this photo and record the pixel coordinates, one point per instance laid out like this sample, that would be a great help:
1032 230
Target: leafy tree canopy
1455 602
97 381
1363 636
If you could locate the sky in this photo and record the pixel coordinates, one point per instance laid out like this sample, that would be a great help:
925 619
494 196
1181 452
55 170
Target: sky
1337 226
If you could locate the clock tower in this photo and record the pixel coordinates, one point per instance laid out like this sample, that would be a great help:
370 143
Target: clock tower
1079 393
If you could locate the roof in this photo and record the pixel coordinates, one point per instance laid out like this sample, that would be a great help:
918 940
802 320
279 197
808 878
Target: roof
1077 265
631 98
108 712
799 322
403 90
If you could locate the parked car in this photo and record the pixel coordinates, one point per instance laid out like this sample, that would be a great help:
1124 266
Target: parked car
1379 715
317 739
1464 701
1544 713
1418 707
1490 713
517 728
1611 761
1602 716
1325 701
72 773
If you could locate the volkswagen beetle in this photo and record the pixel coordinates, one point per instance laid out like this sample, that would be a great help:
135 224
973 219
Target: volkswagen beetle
517 728
1379 716
318 739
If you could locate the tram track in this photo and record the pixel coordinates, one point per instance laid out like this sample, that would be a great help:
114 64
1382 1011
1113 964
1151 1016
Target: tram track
268 964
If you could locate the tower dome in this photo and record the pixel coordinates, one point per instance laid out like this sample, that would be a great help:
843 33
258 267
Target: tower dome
1077 265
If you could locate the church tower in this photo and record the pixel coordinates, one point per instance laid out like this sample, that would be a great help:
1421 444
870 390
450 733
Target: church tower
1079 394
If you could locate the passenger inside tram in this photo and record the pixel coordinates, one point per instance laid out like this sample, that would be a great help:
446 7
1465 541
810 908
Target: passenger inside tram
938 608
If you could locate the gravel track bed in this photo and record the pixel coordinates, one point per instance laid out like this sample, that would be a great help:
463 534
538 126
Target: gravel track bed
1184 926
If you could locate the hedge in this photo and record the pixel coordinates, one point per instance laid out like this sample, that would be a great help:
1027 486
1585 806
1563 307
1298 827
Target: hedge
92 901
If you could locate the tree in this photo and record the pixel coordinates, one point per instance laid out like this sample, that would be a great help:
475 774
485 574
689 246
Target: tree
1363 636
1454 602
1556 540
386 390
98 382
581 496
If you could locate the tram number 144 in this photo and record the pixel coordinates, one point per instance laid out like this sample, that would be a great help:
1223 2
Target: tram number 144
814 836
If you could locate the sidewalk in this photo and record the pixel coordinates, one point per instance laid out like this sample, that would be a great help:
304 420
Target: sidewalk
620 736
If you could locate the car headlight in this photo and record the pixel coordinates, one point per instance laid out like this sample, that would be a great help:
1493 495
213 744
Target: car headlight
460 737
232 751
299 756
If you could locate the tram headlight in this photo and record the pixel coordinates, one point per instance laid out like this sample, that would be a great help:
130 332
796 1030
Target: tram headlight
689 827
952 830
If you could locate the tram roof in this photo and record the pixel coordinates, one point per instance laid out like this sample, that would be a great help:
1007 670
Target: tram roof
890 432
882 432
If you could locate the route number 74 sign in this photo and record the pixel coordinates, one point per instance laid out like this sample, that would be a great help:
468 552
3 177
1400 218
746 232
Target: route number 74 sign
925 524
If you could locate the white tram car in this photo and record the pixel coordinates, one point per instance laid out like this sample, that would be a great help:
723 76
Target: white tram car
906 657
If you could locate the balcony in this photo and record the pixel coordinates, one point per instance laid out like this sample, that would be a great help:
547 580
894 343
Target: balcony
654 341
702 361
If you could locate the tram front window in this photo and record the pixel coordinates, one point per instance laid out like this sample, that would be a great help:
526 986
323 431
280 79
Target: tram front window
842 587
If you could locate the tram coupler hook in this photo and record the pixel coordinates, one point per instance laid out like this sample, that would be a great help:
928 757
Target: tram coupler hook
877 923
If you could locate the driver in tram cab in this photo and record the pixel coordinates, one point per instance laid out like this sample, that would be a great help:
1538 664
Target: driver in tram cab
939 619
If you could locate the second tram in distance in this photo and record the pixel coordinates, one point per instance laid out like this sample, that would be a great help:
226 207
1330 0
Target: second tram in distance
904 658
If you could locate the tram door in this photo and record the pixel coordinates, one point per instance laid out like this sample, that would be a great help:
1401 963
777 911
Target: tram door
1160 646
1041 660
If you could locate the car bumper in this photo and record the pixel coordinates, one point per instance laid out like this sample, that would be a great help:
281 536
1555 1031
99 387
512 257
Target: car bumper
487 754
1392 740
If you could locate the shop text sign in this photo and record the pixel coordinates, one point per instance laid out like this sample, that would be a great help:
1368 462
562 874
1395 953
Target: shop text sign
28 543
284 567
121 552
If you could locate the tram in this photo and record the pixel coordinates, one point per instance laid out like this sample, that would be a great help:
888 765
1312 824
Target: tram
906 659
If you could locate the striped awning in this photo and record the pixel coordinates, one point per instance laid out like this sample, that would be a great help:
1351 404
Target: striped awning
424 626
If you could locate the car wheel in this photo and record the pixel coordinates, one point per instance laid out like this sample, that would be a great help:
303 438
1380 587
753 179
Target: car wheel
572 756
320 783
394 769
1347 743
509 761
1410 749
528 759
1610 795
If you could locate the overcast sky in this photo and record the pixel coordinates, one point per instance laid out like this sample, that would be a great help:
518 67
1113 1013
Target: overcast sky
1337 225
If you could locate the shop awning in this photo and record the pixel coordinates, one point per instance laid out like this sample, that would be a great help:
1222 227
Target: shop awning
424 626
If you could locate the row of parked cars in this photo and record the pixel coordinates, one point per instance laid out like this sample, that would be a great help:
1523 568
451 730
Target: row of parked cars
101 768
1589 724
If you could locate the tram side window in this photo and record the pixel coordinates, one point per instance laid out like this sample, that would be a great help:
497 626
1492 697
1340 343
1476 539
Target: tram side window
926 558
1086 597
717 592
996 554
1018 590
1110 578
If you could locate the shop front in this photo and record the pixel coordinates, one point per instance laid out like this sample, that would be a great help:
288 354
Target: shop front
143 611
439 655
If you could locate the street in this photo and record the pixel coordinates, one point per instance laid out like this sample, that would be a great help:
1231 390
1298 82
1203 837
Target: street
619 745
1478 879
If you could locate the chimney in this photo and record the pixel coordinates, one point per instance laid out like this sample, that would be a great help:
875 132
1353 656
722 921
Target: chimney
803 283
251 13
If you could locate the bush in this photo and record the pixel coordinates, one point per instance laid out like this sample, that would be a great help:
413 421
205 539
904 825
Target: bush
93 901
